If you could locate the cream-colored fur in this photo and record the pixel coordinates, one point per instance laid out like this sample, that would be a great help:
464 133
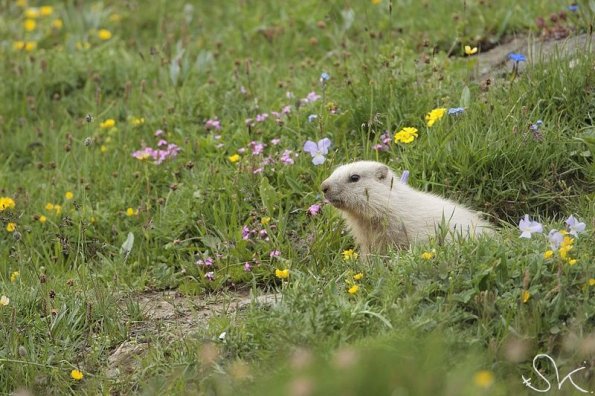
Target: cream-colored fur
381 211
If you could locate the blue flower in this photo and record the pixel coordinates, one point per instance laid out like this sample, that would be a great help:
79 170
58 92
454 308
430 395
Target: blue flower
324 77
535 127
528 227
517 57
312 117
573 7
405 176
317 150
454 111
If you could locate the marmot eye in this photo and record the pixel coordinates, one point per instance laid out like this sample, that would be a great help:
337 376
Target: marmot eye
353 178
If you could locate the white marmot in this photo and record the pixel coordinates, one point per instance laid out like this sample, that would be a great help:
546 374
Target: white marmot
382 211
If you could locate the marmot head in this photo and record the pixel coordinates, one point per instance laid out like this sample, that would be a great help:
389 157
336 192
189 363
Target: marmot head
359 187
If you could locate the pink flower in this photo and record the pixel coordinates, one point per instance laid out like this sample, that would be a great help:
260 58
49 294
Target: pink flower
275 253
286 158
247 267
256 147
257 171
162 142
311 98
207 262
275 141
210 276
286 109
262 117
213 124
313 210
159 132
263 234
245 233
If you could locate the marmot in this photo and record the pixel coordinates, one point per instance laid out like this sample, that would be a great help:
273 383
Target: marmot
382 211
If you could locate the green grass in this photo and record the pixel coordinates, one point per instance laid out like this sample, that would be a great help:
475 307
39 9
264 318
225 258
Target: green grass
414 326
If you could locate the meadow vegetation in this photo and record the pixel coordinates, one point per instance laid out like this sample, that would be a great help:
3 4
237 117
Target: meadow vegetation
159 146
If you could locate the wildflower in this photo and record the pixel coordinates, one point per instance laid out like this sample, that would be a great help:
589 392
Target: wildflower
572 261
108 124
592 282
535 127
245 233
234 158
435 115
58 209
210 276
575 227
311 97
4 301
46 10
104 34
555 237
131 212
57 24
349 254
143 154
69 195
32 12
324 77
318 150
49 206
573 8
353 289
406 135
470 51
314 209
427 255
312 117
282 274
286 109
6 203
257 147
275 253
10 227
159 133
286 157
516 57
265 220
528 227
103 148
548 254
358 276
42 219
247 267
213 124
82 45
261 117
137 121
455 111
376 2
29 25
14 276
275 141
405 176
76 375
525 296
207 262
483 379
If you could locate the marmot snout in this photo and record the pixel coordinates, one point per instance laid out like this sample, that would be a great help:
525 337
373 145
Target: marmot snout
381 211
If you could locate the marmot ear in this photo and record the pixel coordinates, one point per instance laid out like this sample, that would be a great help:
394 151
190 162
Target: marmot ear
382 172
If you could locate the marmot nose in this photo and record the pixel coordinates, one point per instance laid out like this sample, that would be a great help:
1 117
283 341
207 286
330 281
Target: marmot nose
325 187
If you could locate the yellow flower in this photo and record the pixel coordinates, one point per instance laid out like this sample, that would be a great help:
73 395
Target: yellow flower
525 296
131 212
483 379
42 219
4 301
567 242
76 375
6 203
107 124
435 115
14 276
103 148
349 254
563 232
104 34
406 135
46 10
548 254
358 276
234 158
10 227
376 2
57 24
58 209
29 25
24 45
82 45
564 252
69 195
427 255
265 220
32 12
469 50
49 206
592 282
353 289
282 274
572 261
137 121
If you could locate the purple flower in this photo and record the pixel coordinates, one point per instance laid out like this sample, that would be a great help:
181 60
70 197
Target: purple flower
405 176
263 234
247 267
384 144
314 209
245 233
455 111
574 226
213 124
535 127
555 237
262 117
311 97
207 262
210 276
144 153
573 8
256 147
275 253
528 227
162 142
159 132
318 150
286 109
286 158
516 57
312 117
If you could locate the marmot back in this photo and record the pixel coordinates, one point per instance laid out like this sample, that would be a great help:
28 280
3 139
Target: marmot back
382 211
